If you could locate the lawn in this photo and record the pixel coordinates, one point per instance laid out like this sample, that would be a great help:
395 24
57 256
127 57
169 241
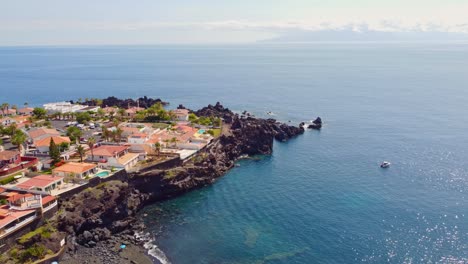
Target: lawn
160 125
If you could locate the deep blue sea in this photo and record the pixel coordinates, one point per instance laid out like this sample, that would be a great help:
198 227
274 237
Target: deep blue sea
320 198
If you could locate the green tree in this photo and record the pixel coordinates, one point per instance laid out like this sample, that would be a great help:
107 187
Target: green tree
192 117
121 113
18 139
81 151
106 133
101 113
91 142
63 146
157 147
4 107
117 134
140 115
74 133
39 113
10 130
174 141
54 152
83 117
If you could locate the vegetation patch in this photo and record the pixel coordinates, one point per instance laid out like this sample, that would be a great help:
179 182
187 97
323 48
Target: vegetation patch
160 125
169 174
7 180
44 231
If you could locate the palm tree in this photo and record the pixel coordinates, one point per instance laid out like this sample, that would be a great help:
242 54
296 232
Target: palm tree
15 107
18 139
157 147
174 141
91 142
118 134
4 107
106 134
121 113
81 151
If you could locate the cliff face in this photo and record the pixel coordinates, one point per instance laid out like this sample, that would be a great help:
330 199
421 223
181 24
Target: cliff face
95 213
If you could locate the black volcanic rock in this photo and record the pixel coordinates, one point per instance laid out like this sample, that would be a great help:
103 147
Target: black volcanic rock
246 136
316 124
143 102
96 213
216 111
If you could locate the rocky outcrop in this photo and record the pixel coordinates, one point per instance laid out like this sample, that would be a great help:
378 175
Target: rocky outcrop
316 124
242 136
96 213
217 110
143 102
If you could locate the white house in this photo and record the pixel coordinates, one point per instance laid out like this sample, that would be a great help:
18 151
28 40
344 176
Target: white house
63 107
89 109
181 114
75 170
115 156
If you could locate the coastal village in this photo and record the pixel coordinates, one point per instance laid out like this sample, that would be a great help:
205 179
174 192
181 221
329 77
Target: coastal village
51 152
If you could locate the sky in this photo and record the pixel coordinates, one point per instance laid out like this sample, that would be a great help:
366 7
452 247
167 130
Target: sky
102 22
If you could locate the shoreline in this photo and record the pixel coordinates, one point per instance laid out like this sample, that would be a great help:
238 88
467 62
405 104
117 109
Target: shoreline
246 136
99 219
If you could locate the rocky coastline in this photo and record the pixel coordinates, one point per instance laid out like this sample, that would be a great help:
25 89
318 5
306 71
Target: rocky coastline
105 216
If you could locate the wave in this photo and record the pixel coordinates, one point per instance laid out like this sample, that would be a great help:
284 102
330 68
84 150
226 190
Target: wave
153 249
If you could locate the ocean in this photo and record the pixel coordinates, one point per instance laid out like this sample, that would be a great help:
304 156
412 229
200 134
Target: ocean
319 198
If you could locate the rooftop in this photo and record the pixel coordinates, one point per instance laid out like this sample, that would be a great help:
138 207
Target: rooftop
139 135
108 150
25 110
181 111
43 131
9 216
46 141
89 108
8 154
75 167
133 110
127 158
39 181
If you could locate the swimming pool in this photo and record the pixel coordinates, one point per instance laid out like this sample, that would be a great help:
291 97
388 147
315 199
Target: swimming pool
201 131
102 174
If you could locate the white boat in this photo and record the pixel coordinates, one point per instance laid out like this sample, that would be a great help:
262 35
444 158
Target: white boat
385 164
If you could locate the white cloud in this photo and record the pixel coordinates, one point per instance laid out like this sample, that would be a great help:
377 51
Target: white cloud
384 25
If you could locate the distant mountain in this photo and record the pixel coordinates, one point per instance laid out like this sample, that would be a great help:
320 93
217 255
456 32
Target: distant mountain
350 35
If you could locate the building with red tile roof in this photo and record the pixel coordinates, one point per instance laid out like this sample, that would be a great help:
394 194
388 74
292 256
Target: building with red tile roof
42 145
40 133
181 114
9 157
22 209
26 111
115 156
45 183
75 169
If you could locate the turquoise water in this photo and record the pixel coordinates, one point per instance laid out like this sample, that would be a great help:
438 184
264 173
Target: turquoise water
322 197
201 131
102 174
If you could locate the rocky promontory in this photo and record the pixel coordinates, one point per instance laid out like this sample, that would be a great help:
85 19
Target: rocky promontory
108 211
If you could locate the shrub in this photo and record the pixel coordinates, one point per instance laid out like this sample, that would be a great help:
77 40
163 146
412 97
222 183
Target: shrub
44 231
7 180
101 185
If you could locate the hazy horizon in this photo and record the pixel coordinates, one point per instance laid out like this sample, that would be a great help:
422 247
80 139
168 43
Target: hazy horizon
58 23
